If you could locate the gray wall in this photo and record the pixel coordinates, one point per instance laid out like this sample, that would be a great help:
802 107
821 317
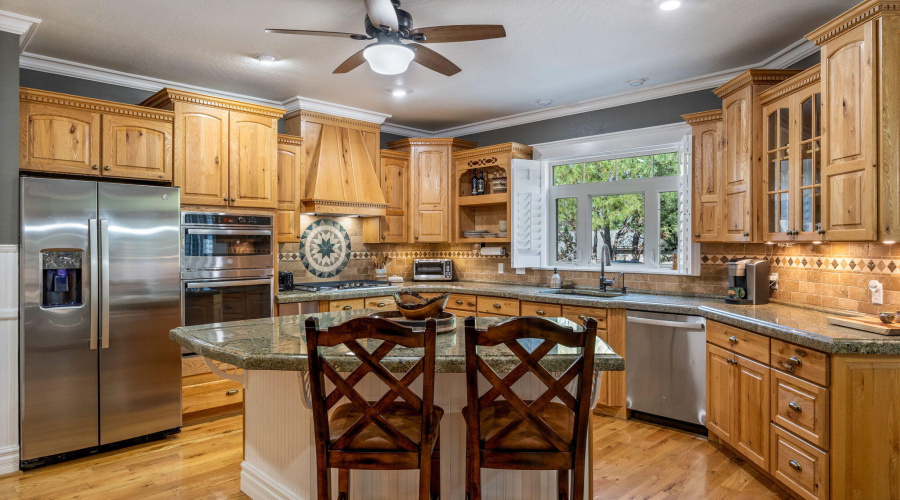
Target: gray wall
84 88
386 138
808 62
9 138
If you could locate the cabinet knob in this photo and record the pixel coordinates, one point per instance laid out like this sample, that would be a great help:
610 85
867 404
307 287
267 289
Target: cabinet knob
225 199
381 304
582 317
417 236
383 237
733 339
746 235
731 361
696 235
794 465
821 231
232 200
497 306
347 307
540 312
106 168
95 167
231 392
459 301
794 406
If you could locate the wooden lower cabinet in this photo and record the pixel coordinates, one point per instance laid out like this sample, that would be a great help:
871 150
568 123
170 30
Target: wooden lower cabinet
204 395
721 378
752 411
497 306
343 305
799 465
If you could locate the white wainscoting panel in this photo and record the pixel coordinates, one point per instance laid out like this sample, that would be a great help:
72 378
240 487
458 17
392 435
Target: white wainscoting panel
279 454
9 358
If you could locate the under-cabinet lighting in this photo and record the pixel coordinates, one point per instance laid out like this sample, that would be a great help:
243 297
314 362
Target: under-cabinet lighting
399 92
669 4
889 242
770 243
266 59
817 243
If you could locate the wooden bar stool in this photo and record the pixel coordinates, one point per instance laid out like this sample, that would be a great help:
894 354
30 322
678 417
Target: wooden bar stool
540 434
397 432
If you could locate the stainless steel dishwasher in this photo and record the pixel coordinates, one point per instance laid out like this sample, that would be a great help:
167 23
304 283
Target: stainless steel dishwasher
666 365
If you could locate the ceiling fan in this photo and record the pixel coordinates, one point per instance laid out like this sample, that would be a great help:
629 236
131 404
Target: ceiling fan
389 25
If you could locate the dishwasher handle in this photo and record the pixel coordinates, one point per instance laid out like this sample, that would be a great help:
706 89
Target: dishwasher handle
684 325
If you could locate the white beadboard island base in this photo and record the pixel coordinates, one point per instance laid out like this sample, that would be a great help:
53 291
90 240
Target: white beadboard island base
280 459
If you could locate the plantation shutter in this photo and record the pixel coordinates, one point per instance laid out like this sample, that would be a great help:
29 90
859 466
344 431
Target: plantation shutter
528 225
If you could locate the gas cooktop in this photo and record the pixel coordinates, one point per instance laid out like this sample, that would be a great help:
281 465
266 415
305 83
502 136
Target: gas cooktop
336 286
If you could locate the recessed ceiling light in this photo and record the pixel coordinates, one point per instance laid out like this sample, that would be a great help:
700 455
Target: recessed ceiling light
545 102
636 82
399 92
265 59
669 4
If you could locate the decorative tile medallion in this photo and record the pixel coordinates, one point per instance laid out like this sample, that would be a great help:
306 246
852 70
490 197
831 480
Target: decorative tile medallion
325 248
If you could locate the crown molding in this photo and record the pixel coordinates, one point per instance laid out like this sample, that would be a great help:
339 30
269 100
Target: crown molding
18 24
390 128
298 103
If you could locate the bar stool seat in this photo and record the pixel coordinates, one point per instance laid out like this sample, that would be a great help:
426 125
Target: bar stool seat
499 414
406 418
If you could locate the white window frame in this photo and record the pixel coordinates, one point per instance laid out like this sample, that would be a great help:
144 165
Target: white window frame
640 142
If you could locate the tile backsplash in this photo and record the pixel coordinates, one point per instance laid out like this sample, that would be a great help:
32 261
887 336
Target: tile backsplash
831 275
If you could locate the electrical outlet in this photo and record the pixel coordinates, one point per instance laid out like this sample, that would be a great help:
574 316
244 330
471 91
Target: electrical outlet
773 281
500 268
877 290
520 270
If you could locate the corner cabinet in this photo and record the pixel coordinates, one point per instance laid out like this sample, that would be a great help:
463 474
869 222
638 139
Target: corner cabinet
708 147
430 161
290 185
792 176
861 122
225 151
393 178
742 122
72 135
483 212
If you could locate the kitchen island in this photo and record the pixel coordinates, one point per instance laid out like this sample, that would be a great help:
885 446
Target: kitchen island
279 454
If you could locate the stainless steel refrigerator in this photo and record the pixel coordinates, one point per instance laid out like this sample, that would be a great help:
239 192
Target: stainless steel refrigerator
99 292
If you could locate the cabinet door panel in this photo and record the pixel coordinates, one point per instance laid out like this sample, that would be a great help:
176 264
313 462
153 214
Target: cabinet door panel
137 148
708 196
286 226
720 394
58 139
753 397
393 182
252 160
201 154
289 176
394 228
430 193
738 159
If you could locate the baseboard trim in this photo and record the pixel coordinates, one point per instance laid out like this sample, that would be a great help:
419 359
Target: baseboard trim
9 460
259 486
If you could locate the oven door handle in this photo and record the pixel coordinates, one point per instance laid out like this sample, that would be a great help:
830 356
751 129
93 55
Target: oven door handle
230 232
224 284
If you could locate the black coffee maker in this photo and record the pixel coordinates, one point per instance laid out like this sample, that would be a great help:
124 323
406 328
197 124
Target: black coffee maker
285 281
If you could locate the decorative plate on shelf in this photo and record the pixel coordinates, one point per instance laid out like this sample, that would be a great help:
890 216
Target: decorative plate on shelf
325 248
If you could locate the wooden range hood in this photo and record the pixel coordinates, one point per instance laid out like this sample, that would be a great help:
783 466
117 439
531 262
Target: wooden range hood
339 164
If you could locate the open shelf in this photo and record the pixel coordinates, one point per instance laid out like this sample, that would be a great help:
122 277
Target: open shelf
483 240
483 199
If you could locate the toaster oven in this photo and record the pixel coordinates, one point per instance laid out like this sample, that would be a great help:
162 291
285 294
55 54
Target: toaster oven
432 270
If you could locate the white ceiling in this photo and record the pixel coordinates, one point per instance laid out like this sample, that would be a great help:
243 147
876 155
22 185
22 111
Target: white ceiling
564 50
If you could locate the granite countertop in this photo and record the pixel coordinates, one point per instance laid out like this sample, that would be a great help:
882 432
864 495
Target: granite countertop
805 327
280 344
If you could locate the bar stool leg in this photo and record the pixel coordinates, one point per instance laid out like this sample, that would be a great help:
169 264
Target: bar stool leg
323 484
436 470
562 479
343 484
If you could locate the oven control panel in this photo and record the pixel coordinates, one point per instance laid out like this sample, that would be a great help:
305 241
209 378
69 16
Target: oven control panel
214 219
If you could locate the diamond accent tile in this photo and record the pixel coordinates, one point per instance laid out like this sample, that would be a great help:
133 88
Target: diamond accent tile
852 264
871 265
891 266
818 262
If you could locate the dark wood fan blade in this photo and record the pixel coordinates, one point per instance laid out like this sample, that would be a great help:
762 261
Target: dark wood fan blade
354 36
351 63
434 61
381 13
462 33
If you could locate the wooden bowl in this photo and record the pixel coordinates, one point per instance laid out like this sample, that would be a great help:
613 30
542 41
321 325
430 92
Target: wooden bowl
411 306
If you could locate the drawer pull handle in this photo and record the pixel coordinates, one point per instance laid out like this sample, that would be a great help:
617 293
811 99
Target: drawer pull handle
794 360
497 306
794 406
731 361
794 465
459 301
231 392
540 312
381 304
347 307
733 339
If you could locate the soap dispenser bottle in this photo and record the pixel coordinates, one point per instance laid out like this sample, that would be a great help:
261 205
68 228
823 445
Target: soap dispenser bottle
555 280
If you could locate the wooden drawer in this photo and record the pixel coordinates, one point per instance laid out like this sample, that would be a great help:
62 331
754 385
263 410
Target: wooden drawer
800 407
462 302
800 361
799 465
210 395
750 345
345 305
460 315
577 314
381 303
539 309
497 306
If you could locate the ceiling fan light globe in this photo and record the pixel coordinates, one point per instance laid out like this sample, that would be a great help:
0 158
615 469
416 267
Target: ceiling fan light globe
388 58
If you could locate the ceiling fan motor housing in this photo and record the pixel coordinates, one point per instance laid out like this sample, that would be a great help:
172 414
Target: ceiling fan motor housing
404 22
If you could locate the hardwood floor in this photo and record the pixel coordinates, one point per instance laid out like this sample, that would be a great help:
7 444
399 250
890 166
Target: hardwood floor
632 460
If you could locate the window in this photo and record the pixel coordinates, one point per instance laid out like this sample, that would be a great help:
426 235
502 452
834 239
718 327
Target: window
630 205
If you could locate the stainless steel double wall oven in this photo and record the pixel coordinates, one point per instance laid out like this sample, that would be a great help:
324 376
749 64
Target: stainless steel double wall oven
226 267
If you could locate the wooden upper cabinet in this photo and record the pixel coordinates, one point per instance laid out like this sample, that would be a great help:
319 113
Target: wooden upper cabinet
289 186
429 185
792 145
742 122
708 197
137 148
252 160
224 149
73 135
393 178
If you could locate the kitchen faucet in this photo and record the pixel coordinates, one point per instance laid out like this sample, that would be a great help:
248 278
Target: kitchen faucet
604 258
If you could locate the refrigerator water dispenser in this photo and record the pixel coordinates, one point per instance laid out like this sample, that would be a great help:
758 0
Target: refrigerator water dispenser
62 277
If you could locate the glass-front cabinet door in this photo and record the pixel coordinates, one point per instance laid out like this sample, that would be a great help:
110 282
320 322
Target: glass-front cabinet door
792 176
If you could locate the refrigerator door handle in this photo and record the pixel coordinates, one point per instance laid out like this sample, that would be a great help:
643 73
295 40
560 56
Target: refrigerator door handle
104 283
94 280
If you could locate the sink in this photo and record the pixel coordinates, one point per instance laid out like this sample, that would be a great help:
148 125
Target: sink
583 293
